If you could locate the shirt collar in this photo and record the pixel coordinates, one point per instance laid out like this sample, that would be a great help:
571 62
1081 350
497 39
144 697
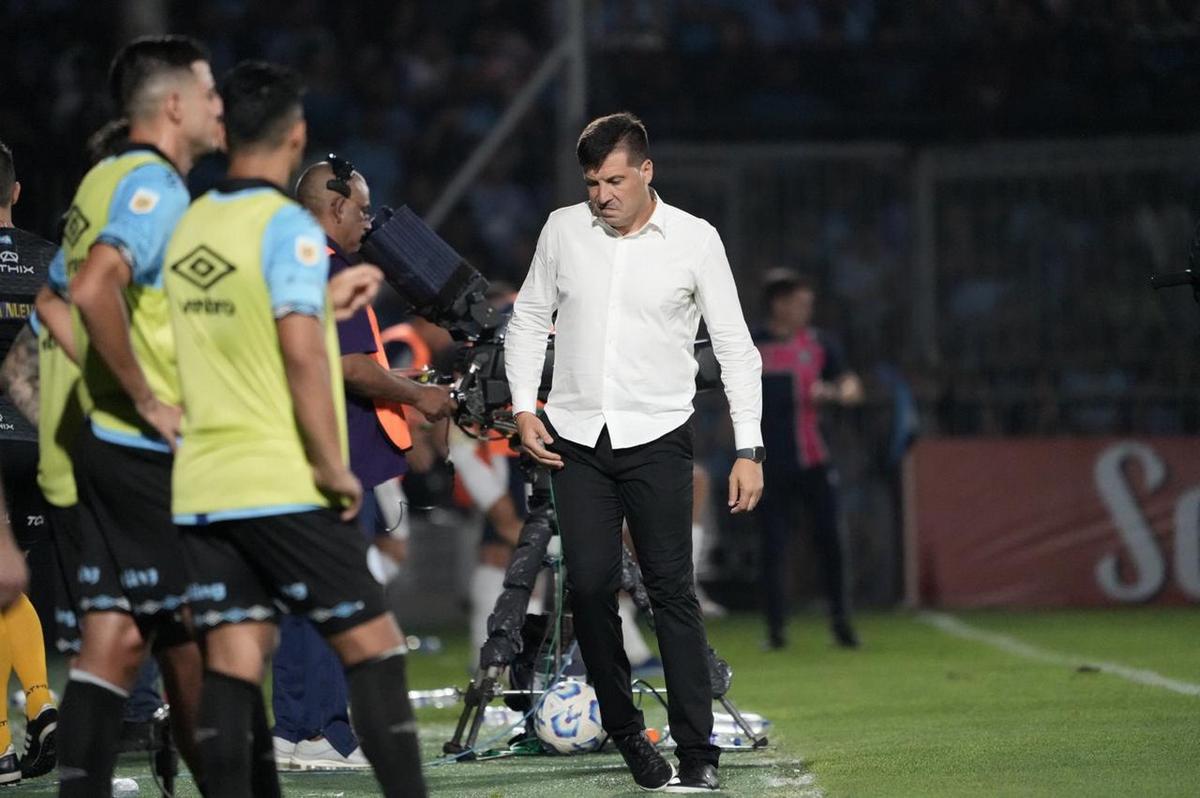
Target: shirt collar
230 185
336 251
657 220
136 146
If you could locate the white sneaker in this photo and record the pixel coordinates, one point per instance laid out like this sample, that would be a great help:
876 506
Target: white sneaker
708 607
320 755
283 753
10 769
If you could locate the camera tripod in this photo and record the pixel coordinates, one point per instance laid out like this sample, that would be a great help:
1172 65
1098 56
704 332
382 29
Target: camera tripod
509 630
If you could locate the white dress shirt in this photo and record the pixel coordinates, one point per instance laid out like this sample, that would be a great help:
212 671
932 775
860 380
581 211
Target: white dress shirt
628 311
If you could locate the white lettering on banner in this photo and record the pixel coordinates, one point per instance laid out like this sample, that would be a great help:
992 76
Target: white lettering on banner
1187 543
1135 533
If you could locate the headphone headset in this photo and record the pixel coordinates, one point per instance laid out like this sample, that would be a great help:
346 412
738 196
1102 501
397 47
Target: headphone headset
343 170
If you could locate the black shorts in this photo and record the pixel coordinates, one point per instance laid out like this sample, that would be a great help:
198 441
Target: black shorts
26 508
132 557
64 532
311 564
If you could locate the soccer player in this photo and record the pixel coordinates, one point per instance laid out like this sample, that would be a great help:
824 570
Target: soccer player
132 579
261 482
23 264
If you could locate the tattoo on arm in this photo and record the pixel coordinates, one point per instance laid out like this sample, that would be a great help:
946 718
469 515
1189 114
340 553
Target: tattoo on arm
19 374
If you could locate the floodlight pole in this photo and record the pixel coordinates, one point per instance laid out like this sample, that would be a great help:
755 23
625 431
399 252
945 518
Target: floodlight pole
569 58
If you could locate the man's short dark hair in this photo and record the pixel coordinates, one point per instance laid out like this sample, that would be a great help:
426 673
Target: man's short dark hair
783 282
107 140
8 175
141 61
612 132
262 101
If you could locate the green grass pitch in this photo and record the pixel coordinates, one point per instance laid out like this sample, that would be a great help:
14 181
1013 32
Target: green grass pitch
915 712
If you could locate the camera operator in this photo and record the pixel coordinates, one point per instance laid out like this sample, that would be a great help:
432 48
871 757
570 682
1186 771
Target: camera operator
310 697
630 277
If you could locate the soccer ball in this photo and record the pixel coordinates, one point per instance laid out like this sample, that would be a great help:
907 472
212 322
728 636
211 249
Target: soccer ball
569 719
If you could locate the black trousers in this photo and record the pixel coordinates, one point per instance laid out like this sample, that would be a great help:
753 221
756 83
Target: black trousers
788 491
650 486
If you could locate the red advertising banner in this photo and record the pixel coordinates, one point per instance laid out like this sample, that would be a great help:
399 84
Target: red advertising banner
1054 522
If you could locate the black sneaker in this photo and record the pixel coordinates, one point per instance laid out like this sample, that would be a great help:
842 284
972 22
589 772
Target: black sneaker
843 633
649 769
10 771
695 777
39 756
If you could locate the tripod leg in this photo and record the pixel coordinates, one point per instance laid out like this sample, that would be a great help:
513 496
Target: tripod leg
759 742
166 758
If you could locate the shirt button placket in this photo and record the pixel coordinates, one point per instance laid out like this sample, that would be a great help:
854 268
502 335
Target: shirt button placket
612 325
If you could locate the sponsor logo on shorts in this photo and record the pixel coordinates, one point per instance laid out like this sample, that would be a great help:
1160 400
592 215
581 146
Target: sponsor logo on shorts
296 592
213 591
139 577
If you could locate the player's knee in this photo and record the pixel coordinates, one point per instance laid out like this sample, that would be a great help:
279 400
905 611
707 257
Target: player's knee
113 648
378 637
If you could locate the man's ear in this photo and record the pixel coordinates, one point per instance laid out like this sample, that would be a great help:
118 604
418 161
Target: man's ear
173 103
298 135
16 193
647 170
337 207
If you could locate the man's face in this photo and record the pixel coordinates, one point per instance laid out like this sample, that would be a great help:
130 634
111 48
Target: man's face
201 109
794 310
619 191
353 216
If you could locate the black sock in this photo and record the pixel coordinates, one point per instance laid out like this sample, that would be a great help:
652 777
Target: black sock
225 736
264 774
89 724
384 721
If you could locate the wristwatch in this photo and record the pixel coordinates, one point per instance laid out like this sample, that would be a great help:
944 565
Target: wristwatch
757 454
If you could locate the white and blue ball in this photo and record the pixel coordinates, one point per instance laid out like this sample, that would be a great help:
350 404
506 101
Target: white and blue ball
568 720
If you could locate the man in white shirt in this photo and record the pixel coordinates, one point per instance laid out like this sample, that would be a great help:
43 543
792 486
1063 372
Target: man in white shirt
629 278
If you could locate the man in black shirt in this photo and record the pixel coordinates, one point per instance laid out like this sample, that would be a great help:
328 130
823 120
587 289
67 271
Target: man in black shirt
24 262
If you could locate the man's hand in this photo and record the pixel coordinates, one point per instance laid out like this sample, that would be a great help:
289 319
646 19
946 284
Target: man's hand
340 482
745 485
166 419
354 288
435 403
534 436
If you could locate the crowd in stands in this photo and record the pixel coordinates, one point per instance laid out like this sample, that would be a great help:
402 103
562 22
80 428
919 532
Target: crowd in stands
406 89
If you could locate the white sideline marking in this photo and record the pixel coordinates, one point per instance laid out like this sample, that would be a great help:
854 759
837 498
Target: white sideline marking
953 626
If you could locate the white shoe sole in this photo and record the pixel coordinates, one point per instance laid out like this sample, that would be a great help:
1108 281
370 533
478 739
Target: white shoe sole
674 773
326 764
679 788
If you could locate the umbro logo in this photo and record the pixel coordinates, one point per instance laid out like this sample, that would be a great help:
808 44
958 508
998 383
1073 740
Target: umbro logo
202 267
74 225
